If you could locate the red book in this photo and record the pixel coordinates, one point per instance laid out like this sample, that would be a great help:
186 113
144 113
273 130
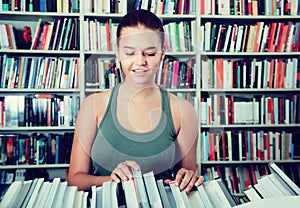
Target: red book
250 8
253 175
232 176
212 148
270 82
190 73
224 146
271 37
107 24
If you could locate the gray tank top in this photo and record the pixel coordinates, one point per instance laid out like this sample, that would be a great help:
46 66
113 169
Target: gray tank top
154 150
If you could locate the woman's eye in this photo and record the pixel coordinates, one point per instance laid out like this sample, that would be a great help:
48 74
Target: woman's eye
129 53
150 53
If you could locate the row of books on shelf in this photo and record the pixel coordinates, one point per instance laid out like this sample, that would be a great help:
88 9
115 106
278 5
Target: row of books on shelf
38 110
180 36
143 191
60 6
176 74
249 146
35 148
275 36
7 34
261 109
238 178
250 7
105 6
166 6
251 73
103 73
23 72
100 36
60 34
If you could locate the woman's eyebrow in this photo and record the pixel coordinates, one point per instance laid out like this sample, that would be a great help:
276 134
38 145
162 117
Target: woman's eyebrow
148 48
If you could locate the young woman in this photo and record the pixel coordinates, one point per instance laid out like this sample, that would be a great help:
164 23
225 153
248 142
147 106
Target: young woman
137 124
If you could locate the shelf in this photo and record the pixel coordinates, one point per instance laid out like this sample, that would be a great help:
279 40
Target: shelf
247 162
251 90
45 166
251 54
250 126
4 91
37 128
250 17
55 53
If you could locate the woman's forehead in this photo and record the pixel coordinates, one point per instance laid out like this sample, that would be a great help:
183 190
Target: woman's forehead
139 35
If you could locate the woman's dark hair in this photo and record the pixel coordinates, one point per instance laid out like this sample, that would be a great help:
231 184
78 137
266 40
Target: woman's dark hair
141 17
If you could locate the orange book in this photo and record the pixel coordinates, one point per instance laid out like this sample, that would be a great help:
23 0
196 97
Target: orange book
219 73
165 77
270 85
256 43
283 41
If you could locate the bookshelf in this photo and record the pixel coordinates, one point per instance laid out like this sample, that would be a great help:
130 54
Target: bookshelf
40 122
238 126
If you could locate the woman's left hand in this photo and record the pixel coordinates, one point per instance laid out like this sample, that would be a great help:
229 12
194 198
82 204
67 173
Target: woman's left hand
187 179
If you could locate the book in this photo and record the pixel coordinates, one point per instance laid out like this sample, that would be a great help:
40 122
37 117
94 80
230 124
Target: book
130 194
163 193
140 189
11 195
152 190
274 168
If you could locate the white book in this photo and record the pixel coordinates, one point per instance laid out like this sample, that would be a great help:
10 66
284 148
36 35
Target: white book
152 190
36 192
195 200
43 195
26 200
11 194
53 191
284 177
23 193
163 193
140 188
214 191
69 198
207 36
252 195
262 191
130 194
85 199
93 198
205 198
274 178
177 195
78 199
60 194
228 33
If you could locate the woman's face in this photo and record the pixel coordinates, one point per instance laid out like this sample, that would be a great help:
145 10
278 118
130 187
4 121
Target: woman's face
140 53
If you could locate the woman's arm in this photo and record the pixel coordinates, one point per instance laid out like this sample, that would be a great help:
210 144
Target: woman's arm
85 132
186 123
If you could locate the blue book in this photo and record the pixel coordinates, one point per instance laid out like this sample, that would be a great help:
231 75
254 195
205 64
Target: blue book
43 5
56 149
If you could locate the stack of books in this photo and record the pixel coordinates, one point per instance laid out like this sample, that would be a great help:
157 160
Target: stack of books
143 191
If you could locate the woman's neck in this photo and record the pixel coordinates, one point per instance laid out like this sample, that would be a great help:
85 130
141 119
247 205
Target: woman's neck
139 91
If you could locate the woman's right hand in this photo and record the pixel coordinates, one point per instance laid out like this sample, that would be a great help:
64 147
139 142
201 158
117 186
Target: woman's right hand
123 171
